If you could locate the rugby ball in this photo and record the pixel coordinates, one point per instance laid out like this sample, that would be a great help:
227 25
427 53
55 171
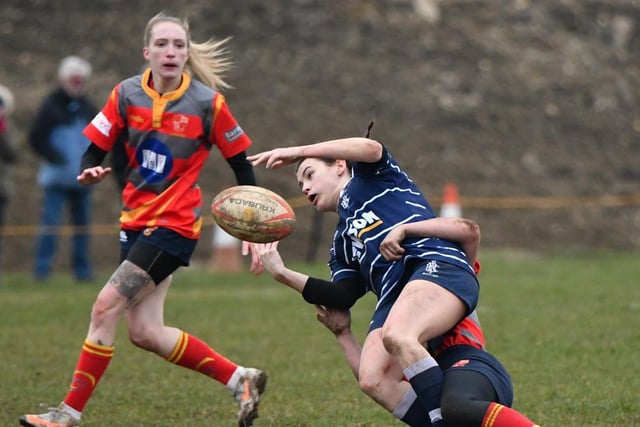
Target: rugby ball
253 214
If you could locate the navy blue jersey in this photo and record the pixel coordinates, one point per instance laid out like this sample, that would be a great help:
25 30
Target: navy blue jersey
379 197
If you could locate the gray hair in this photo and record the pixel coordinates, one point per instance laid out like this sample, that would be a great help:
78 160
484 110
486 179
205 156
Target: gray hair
7 98
74 66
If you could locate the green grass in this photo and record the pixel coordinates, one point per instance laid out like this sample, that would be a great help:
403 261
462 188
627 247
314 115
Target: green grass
565 325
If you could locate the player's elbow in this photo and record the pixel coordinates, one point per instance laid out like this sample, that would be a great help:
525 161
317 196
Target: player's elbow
371 150
473 230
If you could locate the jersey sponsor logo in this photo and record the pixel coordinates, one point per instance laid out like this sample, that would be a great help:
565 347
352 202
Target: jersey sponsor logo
101 123
357 248
155 160
367 221
358 226
233 134
135 118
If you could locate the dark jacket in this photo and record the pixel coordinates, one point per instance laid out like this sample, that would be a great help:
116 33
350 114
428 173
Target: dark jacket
8 156
56 136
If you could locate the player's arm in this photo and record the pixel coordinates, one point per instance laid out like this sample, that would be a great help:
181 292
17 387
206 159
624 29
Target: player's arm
341 295
339 322
356 149
464 231
91 170
242 169
103 132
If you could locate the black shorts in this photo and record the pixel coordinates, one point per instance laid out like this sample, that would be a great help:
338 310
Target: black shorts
158 251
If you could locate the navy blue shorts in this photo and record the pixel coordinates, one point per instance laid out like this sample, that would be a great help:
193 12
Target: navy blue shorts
457 280
466 357
164 239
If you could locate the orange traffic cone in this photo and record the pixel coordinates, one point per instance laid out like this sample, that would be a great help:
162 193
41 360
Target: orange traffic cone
450 207
226 256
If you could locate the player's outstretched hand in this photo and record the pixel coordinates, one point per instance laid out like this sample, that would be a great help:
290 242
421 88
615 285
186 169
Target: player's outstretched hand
276 158
257 267
93 175
270 258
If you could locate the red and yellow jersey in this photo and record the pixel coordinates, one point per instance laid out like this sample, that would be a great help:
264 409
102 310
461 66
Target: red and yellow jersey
466 332
168 138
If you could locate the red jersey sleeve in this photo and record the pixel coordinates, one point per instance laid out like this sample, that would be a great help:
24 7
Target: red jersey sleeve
105 127
226 133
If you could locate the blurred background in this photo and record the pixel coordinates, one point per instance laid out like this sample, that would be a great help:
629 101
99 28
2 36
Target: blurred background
531 108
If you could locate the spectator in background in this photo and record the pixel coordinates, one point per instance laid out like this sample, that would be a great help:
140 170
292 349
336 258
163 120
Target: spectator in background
56 136
8 155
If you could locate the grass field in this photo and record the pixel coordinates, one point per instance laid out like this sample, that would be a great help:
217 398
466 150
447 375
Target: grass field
565 325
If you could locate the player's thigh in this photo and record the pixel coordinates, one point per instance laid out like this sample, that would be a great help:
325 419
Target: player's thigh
424 310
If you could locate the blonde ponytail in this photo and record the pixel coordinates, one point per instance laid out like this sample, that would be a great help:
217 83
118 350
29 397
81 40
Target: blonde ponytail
209 61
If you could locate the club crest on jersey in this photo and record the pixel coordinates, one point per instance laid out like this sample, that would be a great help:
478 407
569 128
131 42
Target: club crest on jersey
180 122
365 222
344 202
155 160
431 269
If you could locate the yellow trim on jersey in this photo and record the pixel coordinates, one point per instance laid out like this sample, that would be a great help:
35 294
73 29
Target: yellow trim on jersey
160 101
371 227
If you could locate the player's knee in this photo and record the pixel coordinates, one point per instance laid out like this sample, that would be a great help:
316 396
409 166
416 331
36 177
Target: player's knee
370 384
394 340
142 336
104 310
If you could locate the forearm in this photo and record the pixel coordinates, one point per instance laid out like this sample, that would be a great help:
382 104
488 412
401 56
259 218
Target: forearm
92 157
461 230
293 279
354 149
351 350
242 169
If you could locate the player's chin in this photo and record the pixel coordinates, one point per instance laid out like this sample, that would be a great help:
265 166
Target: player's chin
320 207
170 72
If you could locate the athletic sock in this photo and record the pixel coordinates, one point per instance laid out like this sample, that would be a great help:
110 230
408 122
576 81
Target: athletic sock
425 377
501 416
411 412
193 353
92 364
